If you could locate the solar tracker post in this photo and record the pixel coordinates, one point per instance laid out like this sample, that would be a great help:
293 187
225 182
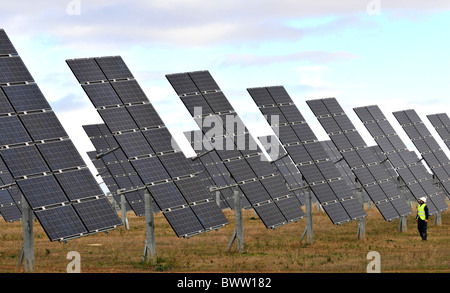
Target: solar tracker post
123 208
402 225
27 253
309 223
238 234
149 248
437 217
361 234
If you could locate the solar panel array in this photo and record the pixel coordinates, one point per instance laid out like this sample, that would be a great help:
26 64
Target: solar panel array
284 164
42 159
428 147
214 169
408 168
148 145
441 122
103 172
308 154
116 171
10 196
262 185
376 181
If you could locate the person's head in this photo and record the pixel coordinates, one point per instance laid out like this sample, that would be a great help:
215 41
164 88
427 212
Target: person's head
423 200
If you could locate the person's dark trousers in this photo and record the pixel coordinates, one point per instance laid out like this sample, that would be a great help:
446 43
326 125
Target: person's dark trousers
422 227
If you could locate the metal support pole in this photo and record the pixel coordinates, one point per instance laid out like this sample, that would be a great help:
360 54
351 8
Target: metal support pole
361 234
438 219
309 224
123 208
149 248
27 253
218 198
402 225
238 233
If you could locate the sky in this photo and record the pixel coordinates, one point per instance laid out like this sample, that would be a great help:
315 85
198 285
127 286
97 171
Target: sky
394 54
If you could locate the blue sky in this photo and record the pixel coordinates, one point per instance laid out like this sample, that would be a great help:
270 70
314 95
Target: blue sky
390 53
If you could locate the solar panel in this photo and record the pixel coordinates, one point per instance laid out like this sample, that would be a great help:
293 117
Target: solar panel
441 123
34 162
6 47
134 112
214 167
375 180
423 140
417 182
199 89
308 154
13 70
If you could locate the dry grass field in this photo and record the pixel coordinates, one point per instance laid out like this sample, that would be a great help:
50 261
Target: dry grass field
335 248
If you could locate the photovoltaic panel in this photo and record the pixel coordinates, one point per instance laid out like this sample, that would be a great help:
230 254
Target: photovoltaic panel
117 172
167 195
43 125
161 140
77 184
61 223
6 47
214 167
34 163
428 147
416 181
129 91
308 154
43 191
11 213
137 114
86 70
24 160
145 115
12 131
26 97
196 89
104 93
5 106
375 180
13 70
114 67
441 123
61 155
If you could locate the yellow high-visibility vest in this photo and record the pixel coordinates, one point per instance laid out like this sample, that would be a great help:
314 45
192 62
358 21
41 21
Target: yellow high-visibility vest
421 211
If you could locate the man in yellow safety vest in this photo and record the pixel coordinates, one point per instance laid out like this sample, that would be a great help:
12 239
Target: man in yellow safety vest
422 218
